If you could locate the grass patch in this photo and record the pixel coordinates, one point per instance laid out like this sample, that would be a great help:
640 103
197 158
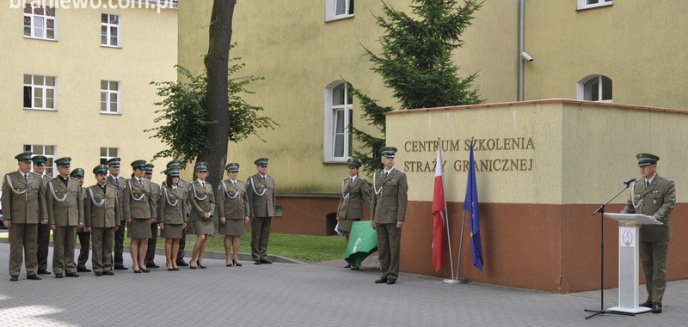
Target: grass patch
305 248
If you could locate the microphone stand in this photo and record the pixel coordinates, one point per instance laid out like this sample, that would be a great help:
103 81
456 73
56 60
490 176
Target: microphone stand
600 210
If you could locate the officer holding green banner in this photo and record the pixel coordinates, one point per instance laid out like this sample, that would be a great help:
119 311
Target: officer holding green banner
355 194
388 212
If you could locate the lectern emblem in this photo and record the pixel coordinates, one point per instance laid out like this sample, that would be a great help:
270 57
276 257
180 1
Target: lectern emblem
627 238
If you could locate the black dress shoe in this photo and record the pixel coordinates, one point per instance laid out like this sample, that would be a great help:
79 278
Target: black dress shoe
355 268
647 304
98 273
14 278
182 263
391 281
265 261
35 277
152 265
59 275
72 274
257 262
656 307
347 266
108 273
145 270
82 269
381 280
43 272
121 267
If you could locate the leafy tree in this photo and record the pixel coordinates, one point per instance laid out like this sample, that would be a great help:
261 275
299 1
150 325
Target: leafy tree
416 63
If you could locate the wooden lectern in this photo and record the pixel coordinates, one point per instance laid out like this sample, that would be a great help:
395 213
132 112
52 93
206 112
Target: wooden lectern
629 270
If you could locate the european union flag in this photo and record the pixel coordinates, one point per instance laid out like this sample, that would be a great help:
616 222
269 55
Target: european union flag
470 205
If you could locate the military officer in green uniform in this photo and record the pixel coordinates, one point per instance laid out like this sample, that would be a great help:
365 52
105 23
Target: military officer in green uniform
355 196
155 194
102 218
39 163
388 209
261 195
232 208
81 231
23 203
65 207
115 180
177 165
139 211
654 196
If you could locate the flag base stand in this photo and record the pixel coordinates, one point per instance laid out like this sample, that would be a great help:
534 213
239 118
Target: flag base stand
455 281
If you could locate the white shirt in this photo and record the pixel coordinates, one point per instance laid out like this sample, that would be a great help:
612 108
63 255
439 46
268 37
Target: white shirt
649 181
352 178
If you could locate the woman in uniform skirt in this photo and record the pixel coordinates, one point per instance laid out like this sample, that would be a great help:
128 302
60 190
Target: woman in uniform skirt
139 212
172 217
233 208
355 196
202 200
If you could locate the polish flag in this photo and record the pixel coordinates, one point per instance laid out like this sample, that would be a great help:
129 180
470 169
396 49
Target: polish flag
439 207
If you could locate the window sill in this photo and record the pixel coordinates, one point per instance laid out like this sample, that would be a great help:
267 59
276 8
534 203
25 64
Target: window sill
111 113
336 18
599 5
111 46
35 109
334 160
39 38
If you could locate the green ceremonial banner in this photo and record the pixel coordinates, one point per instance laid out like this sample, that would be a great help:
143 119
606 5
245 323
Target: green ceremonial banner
362 243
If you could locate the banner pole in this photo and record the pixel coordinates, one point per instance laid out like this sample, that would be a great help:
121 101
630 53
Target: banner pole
458 263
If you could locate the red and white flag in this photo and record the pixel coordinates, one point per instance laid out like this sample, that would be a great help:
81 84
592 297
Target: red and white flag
438 212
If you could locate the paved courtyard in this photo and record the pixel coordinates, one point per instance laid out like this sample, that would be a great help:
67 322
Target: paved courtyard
287 294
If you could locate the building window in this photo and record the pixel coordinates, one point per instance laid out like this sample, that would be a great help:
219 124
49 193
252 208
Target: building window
338 9
109 97
107 154
595 88
109 30
39 92
46 150
587 4
338 122
39 22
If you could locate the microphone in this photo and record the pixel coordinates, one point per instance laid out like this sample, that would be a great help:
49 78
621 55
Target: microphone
630 180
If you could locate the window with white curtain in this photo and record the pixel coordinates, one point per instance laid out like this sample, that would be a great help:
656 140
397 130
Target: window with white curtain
338 122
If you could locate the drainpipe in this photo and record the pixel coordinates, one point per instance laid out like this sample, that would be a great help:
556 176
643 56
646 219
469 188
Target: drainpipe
521 48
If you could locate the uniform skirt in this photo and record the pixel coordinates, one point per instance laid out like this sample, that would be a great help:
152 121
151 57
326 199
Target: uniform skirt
173 231
204 227
139 228
345 224
233 227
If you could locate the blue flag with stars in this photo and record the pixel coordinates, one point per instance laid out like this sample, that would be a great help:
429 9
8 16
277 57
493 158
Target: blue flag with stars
470 205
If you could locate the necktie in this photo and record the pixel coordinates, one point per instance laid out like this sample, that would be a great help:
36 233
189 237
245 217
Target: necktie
647 183
234 183
26 177
202 184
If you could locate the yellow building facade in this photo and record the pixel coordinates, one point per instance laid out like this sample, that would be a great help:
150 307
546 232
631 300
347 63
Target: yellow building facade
621 52
75 81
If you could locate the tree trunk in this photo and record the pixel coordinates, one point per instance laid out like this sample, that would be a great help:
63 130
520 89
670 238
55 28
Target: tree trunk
217 96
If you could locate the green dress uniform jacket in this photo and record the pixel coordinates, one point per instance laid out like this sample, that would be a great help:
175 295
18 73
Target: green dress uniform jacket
202 200
657 200
261 195
389 203
101 210
23 201
65 202
172 206
354 195
232 200
138 200
155 195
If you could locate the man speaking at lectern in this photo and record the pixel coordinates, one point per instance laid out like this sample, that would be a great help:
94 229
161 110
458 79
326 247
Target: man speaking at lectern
654 196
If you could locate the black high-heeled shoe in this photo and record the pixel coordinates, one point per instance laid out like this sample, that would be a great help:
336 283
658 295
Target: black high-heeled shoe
199 264
137 271
236 263
231 264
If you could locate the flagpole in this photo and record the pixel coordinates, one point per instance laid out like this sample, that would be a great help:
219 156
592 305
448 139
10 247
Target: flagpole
458 264
453 279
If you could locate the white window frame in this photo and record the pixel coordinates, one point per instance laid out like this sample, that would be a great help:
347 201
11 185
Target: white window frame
108 154
583 4
580 88
108 93
44 18
331 10
108 25
330 125
50 168
44 87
